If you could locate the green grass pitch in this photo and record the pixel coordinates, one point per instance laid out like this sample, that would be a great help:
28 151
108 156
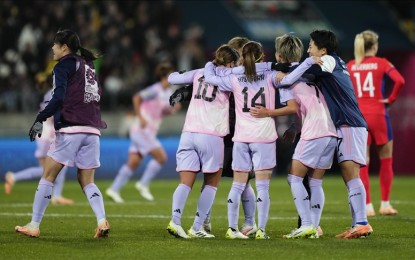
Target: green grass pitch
138 228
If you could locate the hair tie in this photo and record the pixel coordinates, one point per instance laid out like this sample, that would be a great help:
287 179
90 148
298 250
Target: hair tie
260 57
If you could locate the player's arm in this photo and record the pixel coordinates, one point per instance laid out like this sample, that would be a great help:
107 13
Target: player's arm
283 79
261 112
181 95
398 80
223 82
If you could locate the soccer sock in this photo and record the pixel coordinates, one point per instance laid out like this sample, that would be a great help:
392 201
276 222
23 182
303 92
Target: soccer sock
29 173
153 167
179 200
249 204
58 184
124 174
42 198
317 200
364 176
94 196
386 178
204 205
263 202
301 199
234 199
357 199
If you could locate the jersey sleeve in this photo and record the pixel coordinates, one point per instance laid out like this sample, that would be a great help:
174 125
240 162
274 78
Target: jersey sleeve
329 63
296 73
223 82
148 93
285 95
177 78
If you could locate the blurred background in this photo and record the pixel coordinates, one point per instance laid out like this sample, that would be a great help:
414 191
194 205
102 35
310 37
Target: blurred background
134 36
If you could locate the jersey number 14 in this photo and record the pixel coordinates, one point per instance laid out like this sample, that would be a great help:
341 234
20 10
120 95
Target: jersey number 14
366 86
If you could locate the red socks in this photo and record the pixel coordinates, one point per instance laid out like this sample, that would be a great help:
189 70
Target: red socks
386 178
364 176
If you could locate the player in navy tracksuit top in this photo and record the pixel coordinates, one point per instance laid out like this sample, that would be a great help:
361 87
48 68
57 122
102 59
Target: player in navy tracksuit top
76 111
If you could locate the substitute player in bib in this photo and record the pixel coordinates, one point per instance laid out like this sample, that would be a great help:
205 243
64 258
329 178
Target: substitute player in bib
368 73
75 105
201 146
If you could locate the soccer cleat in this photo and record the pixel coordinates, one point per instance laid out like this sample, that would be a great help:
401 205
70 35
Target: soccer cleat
207 226
260 234
9 182
235 234
27 231
387 211
319 231
176 230
144 191
359 231
248 230
199 234
115 196
102 230
62 201
302 232
345 233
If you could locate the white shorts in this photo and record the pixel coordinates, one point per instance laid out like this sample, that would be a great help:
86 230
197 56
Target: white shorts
351 144
143 142
260 156
316 153
199 151
79 149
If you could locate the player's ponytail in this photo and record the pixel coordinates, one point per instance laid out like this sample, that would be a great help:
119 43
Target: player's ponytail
363 42
251 53
71 39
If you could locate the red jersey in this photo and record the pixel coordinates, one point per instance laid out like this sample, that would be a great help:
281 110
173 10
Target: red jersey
368 83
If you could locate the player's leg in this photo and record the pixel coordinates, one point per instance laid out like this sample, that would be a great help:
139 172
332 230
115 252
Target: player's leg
42 198
57 197
386 178
124 174
152 169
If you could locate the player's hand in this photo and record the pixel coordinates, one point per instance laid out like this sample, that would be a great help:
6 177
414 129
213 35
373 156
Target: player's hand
317 60
35 130
283 67
259 112
180 95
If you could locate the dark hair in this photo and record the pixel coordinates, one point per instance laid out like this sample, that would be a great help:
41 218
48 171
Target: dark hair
324 39
71 39
163 70
225 54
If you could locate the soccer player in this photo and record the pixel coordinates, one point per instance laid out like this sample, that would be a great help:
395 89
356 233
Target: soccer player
368 73
333 79
42 147
77 120
251 148
150 105
315 150
201 146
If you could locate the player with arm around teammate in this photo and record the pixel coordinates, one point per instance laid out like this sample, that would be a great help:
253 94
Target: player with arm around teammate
251 148
315 150
333 79
201 146
368 72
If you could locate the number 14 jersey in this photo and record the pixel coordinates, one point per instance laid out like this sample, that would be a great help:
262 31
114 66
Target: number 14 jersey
369 83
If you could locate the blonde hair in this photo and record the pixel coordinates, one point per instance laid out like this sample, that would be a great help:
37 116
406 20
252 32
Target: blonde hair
225 54
238 42
252 52
363 42
289 47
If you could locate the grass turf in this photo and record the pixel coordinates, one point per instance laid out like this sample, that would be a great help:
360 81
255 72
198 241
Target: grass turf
138 228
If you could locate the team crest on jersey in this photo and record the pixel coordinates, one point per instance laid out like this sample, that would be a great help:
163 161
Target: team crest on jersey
91 86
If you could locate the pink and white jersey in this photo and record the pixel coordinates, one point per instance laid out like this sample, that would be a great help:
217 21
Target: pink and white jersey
48 133
154 106
247 94
208 111
313 111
